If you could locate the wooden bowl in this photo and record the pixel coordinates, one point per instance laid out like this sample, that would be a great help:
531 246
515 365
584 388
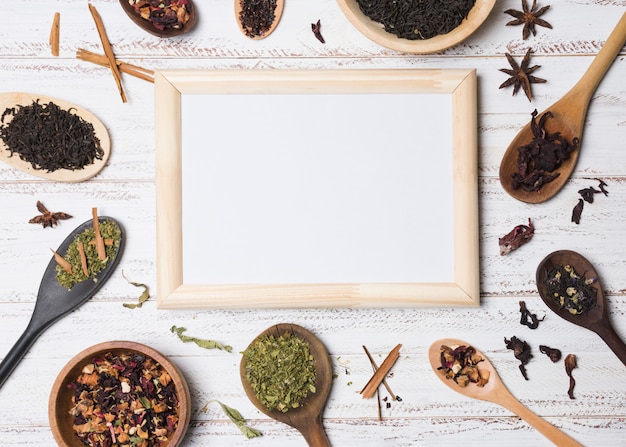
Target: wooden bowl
147 26
376 32
60 401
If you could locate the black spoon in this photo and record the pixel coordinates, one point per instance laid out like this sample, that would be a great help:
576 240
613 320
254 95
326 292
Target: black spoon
54 301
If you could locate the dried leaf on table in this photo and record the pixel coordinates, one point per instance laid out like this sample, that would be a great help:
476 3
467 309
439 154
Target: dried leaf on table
236 417
145 295
206 344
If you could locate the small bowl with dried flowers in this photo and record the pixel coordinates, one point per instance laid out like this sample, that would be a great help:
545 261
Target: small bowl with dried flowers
417 26
119 393
161 18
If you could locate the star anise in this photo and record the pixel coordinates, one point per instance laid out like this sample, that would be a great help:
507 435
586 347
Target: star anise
528 18
46 218
521 75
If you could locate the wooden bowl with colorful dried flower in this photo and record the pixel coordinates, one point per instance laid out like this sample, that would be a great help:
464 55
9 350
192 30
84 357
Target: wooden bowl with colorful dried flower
424 27
176 18
119 393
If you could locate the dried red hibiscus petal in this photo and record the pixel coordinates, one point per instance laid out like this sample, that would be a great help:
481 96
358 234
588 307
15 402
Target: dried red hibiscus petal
570 364
528 319
553 353
521 350
517 237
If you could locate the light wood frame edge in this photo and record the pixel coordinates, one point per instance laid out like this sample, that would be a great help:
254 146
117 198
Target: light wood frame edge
173 294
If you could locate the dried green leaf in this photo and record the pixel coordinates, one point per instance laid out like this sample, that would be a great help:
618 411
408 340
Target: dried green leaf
239 421
142 298
206 344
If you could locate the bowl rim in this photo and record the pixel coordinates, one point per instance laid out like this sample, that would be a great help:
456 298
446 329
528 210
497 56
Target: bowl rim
73 367
375 31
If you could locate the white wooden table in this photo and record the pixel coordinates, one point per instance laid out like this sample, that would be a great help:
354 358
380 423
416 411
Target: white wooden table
430 413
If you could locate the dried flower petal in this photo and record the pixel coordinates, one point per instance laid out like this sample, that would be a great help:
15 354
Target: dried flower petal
521 350
517 237
570 364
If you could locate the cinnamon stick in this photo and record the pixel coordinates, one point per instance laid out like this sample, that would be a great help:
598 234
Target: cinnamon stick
62 262
375 367
108 51
83 258
100 59
55 34
372 385
99 240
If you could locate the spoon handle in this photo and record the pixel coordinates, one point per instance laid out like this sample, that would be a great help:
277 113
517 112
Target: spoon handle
541 425
314 434
610 337
601 63
17 352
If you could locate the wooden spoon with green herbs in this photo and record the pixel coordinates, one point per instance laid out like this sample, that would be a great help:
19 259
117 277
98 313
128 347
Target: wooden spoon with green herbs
494 391
12 100
296 347
569 115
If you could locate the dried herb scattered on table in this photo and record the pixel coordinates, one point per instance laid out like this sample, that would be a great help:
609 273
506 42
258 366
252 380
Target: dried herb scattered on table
587 195
521 75
49 138
317 31
124 399
517 237
205 344
528 318
47 218
571 290
111 234
417 19
257 16
537 160
570 364
280 371
237 419
145 295
521 351
553 353
460 363
529 18
163 14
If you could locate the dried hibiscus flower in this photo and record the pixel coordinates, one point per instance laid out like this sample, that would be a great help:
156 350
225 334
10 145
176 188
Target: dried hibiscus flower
517 237
537 160
570 364
528 319
553 353
521 350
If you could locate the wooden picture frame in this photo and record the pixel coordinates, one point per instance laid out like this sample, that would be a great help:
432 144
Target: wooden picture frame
457 86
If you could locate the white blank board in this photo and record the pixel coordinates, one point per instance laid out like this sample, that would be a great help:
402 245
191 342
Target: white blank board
342 188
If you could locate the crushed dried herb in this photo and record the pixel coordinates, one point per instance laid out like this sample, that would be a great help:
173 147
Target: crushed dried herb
417 19
111 234
528 318
124 399
49 137
553 353
280 371
163 14
257 16
521 75
47 218
521 351
529 17
537 160
205 344
460 363
571 290
570 364
587 195
515 238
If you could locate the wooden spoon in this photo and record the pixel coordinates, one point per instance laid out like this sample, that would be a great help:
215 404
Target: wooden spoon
595 319
147 26
307 418
10 100
55 301
569 119
278 12
495 391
